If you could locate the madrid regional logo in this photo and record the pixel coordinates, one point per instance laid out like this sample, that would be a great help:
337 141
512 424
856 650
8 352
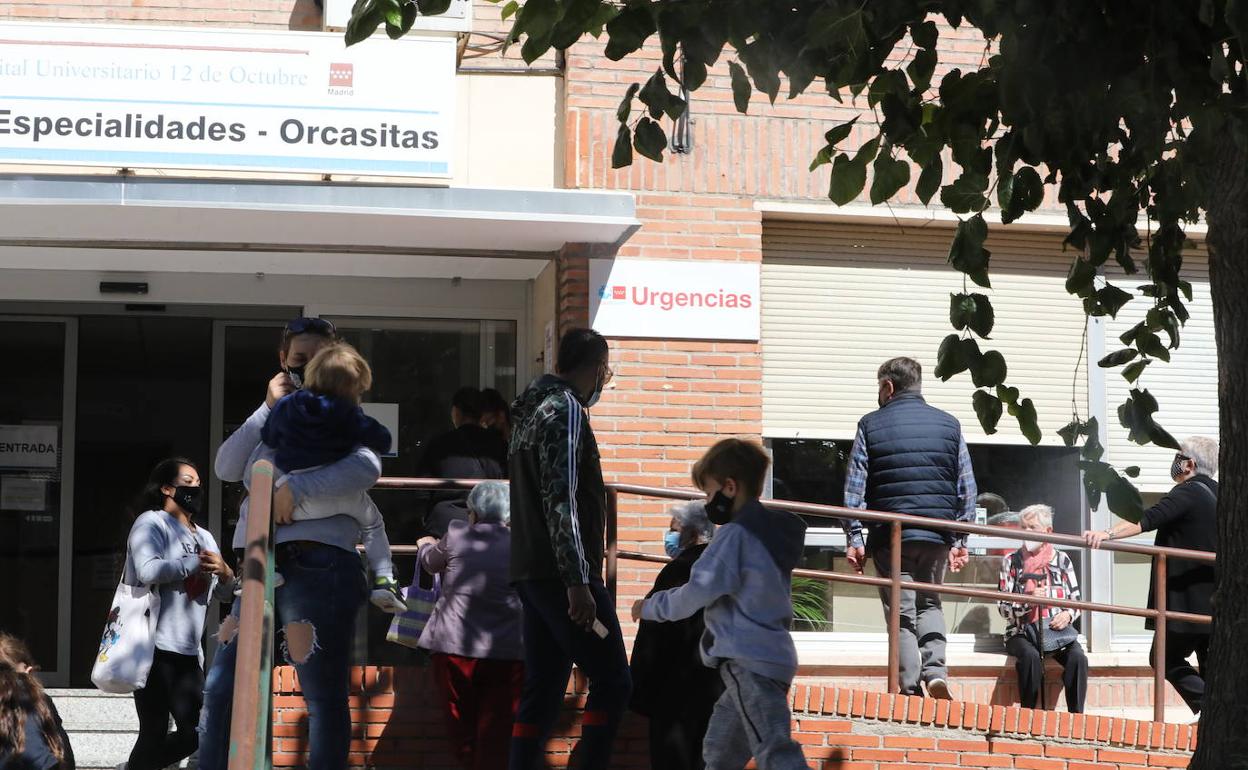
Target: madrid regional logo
341 79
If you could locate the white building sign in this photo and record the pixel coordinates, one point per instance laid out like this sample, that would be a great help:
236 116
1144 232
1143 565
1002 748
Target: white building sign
29 446
212 99
691 299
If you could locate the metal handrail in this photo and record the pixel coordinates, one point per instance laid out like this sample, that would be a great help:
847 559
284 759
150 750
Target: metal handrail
896 522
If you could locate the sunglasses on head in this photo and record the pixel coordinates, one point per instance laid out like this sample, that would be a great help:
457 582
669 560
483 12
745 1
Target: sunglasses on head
312 326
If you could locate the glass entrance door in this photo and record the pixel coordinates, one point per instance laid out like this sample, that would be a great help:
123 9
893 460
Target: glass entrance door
36 485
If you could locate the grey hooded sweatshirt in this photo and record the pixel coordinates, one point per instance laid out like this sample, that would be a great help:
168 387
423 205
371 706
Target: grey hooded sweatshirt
744 582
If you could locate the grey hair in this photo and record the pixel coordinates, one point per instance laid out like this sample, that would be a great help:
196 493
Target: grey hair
693 515
491 501
1203 451
1042 513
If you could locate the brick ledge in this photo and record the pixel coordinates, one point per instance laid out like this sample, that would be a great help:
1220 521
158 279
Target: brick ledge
993 721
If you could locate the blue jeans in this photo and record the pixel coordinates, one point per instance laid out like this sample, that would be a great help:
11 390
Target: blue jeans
316 609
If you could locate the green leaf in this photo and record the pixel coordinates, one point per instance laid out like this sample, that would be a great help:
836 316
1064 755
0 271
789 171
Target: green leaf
433 7
966 194
1124 500
989 370
655 95
1081 280
1111 299
848 179
1150 345
837 134
822 158
577 16
622 154
1026 194
950 359
1028 422
930 179
924 34
973 311
1136 415
741 87
1007 395
536 18
920 70
626 104
1132 470
1070 432
988 409
510 9
1133 372
649 140
1117 358
889 175
967 253
627 31
364 22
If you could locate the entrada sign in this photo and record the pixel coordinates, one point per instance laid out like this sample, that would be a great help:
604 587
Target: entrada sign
212 98
674 299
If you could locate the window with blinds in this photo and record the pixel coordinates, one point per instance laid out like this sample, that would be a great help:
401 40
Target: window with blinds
838 299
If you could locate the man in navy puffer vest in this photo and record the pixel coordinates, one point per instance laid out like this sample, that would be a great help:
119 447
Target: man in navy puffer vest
909 457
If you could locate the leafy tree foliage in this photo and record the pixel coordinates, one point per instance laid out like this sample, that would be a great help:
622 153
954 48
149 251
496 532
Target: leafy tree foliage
1128 111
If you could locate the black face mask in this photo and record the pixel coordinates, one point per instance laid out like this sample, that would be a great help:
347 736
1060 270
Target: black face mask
719 508
295 373
1176 468
189 499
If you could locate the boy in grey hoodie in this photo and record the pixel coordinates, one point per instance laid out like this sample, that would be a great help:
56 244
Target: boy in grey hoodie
743 582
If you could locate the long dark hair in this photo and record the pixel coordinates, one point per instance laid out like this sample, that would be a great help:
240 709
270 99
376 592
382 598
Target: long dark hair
165 474
22 698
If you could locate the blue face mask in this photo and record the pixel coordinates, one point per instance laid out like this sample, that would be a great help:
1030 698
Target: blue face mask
671 543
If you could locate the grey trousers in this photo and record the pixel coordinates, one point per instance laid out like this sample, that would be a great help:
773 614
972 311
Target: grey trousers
751 719
922 617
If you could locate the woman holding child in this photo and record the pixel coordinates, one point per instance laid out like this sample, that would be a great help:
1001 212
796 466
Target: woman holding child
322 584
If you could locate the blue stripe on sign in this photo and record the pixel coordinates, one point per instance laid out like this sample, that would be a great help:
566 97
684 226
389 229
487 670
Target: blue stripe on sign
94 100
210 160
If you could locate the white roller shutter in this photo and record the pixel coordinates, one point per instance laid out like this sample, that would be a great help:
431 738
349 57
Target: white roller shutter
840 299
1186 389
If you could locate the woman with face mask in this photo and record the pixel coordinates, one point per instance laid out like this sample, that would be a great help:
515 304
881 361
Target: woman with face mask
671 685
169 551
1034 632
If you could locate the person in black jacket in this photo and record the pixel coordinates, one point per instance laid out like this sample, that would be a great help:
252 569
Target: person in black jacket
671 684
558 521
467 452
1184 518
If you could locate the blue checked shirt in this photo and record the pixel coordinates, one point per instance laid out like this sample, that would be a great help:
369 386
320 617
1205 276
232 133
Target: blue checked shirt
856 489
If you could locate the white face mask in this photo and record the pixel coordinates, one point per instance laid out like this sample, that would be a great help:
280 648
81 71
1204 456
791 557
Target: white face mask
1033 545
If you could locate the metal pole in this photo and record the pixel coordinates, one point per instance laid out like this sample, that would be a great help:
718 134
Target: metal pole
253 693
894 608
613 548
1159 643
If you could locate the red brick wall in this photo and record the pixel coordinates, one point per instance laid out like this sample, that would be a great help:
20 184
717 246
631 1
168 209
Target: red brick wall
397 725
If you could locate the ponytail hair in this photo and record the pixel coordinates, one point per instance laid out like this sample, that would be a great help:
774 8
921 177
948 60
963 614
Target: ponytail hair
165 474
22 698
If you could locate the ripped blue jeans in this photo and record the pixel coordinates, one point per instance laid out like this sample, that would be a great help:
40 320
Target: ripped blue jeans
316 609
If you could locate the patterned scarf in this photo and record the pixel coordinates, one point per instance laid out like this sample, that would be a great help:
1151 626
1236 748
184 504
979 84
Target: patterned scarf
1037 563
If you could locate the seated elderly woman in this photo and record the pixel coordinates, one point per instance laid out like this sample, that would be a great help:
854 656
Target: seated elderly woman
1033 632
671 685
474 633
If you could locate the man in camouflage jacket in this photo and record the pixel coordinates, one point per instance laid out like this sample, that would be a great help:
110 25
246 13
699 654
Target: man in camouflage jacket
558 517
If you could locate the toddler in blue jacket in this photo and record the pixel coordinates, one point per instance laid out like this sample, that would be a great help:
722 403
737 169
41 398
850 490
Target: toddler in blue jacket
322 423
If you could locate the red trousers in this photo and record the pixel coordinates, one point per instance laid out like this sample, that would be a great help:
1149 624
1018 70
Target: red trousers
479 701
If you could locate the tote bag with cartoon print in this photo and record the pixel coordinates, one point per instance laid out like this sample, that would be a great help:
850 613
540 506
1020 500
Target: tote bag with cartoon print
129 641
